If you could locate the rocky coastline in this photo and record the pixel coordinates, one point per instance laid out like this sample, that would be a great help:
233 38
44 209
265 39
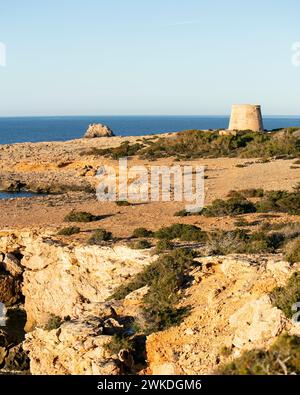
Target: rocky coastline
77 292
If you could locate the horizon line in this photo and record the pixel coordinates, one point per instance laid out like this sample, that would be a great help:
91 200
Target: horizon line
138 115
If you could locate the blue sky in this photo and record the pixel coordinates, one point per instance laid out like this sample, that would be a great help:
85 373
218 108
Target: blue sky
148 57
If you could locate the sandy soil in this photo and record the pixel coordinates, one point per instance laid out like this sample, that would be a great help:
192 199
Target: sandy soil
223 175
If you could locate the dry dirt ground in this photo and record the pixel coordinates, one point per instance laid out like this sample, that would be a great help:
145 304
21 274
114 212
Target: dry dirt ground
37 160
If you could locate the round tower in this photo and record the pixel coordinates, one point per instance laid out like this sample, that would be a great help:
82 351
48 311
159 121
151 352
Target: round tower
246 117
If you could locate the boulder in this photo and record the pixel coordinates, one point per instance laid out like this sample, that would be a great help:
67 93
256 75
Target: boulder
12 265
98 130
257 323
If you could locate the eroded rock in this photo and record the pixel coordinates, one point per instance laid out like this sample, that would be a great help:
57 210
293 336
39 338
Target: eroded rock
77 347
257 324
98 130
10 290
12 265
59 279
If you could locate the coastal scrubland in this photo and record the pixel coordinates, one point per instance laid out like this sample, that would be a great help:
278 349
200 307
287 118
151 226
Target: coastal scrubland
177 287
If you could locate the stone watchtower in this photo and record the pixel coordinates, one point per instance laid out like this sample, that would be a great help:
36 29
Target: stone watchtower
246 117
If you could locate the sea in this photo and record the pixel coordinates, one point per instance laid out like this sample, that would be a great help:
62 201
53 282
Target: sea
62 128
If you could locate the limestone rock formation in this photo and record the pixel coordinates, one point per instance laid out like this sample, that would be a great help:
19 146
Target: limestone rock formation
76 347
230 308
66 290
59 280
11 264
98 130
257 324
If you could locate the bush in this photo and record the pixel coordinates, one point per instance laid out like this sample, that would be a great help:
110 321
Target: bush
242 242
71 230
283 358
164 245
119 342
182 213
123 151
232 206
223 243
183 232
164 277
54 322
272 201
283 144
122 203
177 261
292 251
81 216
142 232
285 297
280 201
242 223
141 245
200 144
247 193
289 231
98 236
252 193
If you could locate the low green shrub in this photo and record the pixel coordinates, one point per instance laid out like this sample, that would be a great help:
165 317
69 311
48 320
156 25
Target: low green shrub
182 213
292 251
123 151
241 241
246 144
54 322
164 245
68 231
232 206
141 245
280 201
122 203
252 193
183 232
81 216
164 277
191 144
99 235
283 358
285 297
265 145
120 342
142 232
271 201
243 223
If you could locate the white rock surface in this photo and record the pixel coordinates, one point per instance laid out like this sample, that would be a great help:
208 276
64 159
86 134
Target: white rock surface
257 323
